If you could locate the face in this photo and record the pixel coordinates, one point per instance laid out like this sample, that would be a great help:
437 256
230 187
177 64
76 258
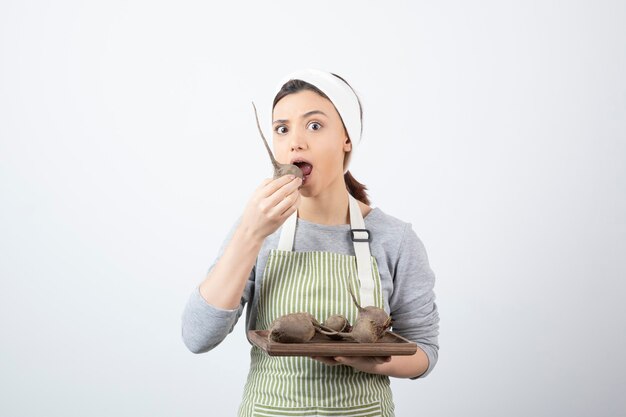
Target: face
306 125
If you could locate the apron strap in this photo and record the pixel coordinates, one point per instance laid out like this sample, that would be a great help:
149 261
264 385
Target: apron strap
360 239
288 232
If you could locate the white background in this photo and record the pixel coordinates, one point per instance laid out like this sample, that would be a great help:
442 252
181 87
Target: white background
128 148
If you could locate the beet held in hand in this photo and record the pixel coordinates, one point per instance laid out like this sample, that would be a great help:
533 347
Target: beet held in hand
279 169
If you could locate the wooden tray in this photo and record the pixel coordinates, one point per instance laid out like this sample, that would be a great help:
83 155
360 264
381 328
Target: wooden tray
390 344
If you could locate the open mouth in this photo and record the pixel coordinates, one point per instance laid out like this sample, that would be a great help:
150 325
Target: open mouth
306 169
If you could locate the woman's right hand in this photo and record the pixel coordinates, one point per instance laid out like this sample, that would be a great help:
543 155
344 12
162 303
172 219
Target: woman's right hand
270 205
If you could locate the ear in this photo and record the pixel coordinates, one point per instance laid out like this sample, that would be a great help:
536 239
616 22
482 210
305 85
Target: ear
347 145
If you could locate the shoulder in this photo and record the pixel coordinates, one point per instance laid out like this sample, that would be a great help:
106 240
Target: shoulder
385 222
394 233
405 253
388 231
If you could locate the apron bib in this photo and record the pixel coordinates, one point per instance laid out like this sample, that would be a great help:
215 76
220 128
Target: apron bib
315 282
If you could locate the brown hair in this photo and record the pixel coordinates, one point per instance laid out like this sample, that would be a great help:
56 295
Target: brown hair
355 188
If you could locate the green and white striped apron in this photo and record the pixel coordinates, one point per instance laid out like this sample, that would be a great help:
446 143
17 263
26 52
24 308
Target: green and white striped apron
315 282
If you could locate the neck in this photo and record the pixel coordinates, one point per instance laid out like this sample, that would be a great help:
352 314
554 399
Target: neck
330 207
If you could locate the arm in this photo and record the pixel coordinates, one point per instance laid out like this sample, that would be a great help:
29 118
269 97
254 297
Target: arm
215 306
414 313
217 303
413 307
413 366
225 283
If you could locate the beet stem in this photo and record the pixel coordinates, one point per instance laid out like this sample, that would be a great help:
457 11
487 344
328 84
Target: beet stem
274 162
353 296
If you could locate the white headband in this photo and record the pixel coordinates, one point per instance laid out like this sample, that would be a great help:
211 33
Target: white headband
340 94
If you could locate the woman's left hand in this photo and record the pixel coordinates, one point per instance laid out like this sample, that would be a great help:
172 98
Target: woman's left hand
369 364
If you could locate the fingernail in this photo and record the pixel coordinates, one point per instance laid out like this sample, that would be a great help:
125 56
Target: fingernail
291 177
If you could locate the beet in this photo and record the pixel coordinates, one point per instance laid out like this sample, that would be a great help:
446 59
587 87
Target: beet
293 328
377 315
335 323
370 325
365 331
279 169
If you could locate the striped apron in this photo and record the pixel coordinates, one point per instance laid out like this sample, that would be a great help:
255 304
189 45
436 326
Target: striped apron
315 282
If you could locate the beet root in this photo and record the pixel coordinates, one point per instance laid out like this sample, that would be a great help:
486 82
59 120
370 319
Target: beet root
370 325
334 324
365 331
376 315
380 318
293 328
338 323
279 169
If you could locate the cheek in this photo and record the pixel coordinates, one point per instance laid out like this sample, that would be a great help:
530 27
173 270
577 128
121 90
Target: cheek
280 152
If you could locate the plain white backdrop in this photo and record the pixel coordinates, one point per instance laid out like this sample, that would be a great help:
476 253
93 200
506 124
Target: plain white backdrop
128 147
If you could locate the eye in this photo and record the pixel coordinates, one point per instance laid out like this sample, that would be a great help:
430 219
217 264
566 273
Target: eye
319 126
279 131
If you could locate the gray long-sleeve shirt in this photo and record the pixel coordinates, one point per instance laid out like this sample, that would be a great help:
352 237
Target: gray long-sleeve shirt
406 277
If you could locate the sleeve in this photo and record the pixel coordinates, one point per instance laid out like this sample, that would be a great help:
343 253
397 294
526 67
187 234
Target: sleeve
412 303
205 326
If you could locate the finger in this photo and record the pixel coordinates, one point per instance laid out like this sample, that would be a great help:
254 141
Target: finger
325 359
286 206
285 215
283 204
291 209
362 360
273 185
283 192
292 187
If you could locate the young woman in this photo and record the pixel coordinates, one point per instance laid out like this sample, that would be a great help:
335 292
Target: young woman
295 248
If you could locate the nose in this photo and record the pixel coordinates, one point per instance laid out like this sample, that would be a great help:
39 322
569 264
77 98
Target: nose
297 139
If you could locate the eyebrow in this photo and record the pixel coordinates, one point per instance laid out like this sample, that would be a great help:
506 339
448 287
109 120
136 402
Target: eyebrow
309 113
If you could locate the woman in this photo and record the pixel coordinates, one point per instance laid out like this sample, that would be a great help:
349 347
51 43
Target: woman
294 248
